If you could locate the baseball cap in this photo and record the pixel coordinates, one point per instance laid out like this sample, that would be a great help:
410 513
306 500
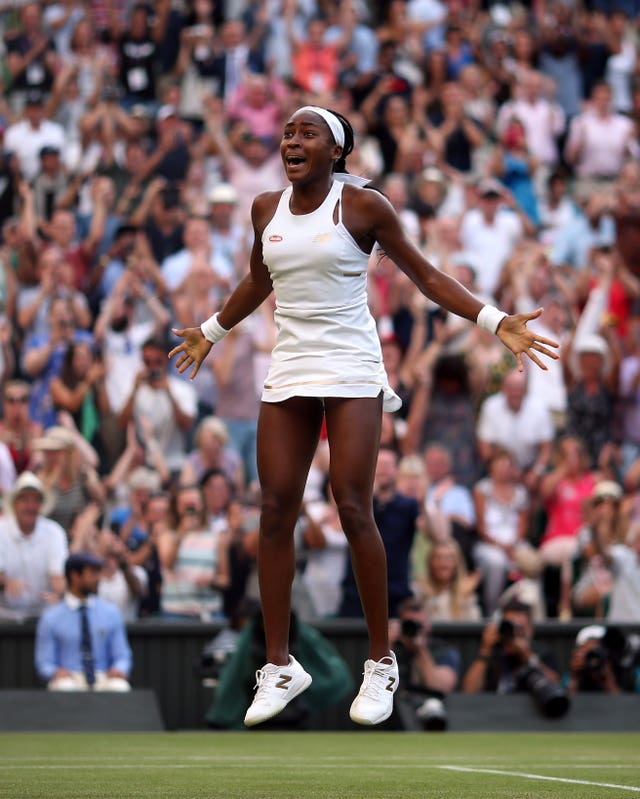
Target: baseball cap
166 111
594 632
49 149
607 489
490 188
77 561
433 175
34 97
592 342
223 193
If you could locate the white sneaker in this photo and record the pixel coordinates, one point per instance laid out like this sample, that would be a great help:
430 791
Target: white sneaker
276 687
374 702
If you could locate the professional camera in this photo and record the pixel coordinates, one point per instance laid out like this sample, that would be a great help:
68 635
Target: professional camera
618 650
410 628
552 701
506 631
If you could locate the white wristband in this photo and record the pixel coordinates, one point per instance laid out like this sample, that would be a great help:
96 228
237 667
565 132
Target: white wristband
212 330
490 317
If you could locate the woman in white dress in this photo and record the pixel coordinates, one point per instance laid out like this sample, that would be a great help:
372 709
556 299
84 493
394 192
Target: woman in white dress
311 247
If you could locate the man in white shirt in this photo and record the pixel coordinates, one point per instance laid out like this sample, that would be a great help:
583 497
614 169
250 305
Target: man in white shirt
197 245
27 137
599 140
490 232
542 119
167 404
33 550
519 422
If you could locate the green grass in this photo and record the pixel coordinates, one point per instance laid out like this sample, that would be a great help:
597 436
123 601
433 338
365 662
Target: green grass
361 765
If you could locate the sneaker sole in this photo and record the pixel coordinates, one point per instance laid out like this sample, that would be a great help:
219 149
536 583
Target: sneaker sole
303 687
369 722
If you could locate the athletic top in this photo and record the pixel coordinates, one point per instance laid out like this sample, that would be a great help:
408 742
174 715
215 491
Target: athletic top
327 343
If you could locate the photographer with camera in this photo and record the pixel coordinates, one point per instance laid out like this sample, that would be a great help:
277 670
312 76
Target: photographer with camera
506 662
428 668
164 402
603 660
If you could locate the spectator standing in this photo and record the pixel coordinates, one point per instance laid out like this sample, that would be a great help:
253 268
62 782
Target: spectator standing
43 356
502 514
195 569
396 517
542 118
31 56
33 550
166 402
491 232
17 429
68 471
564 491
599 141
518 422
26 137
81 642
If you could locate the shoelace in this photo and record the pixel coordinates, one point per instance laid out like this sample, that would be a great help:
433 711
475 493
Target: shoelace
261 678
373 682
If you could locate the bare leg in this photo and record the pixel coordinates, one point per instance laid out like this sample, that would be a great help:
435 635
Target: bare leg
353 427
288 435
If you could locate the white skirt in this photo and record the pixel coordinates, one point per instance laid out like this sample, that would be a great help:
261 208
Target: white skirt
328 353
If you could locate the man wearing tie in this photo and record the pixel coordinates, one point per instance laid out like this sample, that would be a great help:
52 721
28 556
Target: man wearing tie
81 643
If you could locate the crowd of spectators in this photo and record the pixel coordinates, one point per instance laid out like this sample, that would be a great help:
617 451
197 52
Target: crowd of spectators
133 139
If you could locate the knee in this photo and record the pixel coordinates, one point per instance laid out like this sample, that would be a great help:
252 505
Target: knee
277 515
355 516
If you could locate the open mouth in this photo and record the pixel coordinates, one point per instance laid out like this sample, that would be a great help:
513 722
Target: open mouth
295 160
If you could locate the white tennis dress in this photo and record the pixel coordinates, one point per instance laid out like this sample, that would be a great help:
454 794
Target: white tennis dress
327 343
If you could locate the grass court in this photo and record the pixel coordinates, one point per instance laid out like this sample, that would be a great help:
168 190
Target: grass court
360 765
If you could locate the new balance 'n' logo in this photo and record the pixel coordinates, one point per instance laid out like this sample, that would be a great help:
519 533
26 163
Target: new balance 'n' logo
391 682
285 679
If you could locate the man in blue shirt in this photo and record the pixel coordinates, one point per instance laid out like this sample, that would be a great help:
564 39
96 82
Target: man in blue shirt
81 643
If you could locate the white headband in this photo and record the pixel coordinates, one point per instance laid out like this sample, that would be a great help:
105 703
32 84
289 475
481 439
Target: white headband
335 126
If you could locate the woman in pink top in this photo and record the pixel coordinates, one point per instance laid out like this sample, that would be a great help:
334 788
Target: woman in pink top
564 491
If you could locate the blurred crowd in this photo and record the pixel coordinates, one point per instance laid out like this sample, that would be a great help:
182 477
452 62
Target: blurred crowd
133 138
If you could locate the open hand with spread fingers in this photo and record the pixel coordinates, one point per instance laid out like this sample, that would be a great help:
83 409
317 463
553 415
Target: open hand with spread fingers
193 350
516 336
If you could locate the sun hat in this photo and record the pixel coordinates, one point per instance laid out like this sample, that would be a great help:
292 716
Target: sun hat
28 481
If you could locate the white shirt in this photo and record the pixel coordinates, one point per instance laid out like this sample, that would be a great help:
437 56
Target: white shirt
549 387
625 595
31 559
7 469
26 142
155 406
604 143
492 244
122 353
520 432
542 121
115 589
176 268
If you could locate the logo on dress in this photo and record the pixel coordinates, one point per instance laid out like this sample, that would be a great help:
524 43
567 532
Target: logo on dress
275 238
321 238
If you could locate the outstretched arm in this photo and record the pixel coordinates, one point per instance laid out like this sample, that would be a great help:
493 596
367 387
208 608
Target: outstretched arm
385 227
252 290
